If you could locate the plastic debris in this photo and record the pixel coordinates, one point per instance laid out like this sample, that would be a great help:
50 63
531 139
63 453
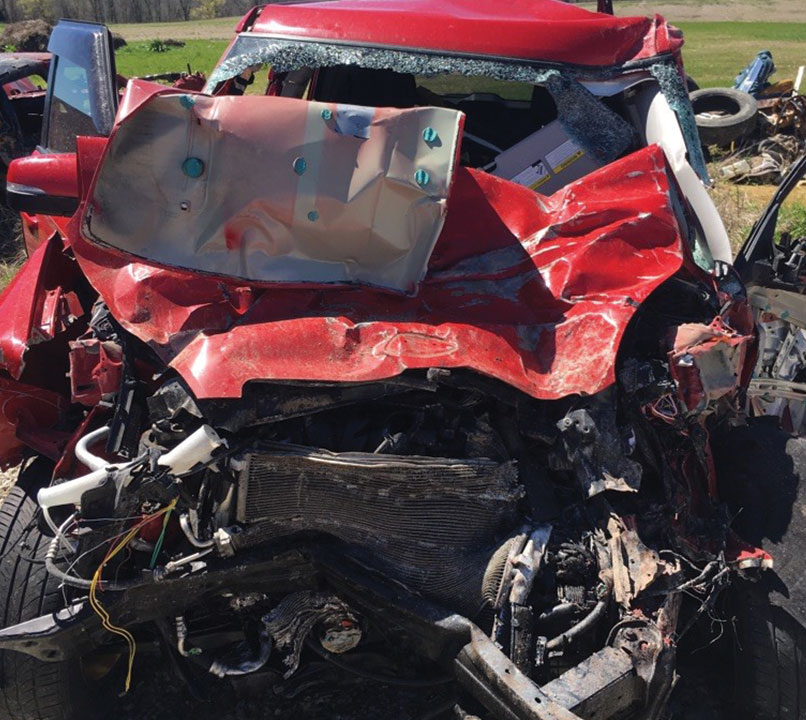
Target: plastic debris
755 77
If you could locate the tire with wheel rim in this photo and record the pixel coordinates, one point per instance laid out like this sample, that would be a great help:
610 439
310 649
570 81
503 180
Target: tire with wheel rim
29 688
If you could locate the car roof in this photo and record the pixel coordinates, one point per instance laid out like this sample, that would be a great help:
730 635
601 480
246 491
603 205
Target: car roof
546 31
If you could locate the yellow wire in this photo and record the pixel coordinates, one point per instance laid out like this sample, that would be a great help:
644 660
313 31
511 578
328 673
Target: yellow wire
99 609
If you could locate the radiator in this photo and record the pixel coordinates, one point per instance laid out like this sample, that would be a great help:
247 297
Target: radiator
430 523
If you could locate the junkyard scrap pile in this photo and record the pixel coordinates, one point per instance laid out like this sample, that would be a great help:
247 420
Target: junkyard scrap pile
761 124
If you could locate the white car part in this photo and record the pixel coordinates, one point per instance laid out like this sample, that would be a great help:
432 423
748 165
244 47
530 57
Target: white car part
197 449
83 454
661 127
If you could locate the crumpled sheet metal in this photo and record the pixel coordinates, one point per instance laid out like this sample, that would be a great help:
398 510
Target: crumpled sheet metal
25 409
635 566
278 189
30 306
296 616
15 66
541 30
536 292
707 362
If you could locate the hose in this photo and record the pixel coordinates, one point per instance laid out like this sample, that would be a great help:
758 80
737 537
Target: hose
184 523
587 623
83 454
557 612
248 663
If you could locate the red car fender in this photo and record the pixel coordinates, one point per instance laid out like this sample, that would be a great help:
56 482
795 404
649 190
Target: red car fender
54 173
28 417
38 304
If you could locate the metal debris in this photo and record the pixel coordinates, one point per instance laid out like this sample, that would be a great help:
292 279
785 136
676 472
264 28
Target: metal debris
293 620
766 155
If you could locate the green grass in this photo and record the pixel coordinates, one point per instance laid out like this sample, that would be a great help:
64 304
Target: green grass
137 60
715 52
7 271
792 219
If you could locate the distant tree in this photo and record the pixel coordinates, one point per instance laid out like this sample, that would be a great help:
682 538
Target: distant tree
208 9
97 9
30 9
122 11
185 7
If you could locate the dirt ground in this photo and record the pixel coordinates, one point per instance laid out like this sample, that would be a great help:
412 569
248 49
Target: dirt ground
7 480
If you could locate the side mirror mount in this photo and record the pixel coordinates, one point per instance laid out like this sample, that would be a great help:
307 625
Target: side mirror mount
43 185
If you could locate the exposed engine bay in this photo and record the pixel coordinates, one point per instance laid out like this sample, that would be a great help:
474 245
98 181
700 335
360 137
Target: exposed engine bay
574 541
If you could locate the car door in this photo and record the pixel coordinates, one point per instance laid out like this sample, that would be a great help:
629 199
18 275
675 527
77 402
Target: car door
81 100
772 264
82 96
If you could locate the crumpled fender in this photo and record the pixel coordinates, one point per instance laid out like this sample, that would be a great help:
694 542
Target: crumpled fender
28 415
534 291
37 305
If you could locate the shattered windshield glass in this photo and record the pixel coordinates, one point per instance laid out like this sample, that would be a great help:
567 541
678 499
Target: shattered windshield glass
282 55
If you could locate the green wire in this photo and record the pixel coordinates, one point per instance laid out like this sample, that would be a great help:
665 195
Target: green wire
160 540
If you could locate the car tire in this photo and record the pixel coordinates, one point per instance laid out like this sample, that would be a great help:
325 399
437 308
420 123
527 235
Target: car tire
762 475
723 115
29 688
770 657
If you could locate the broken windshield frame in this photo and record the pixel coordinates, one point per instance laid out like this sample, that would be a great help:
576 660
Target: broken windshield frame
286 54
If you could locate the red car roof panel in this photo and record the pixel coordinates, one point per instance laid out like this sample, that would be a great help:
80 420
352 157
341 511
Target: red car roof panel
540 30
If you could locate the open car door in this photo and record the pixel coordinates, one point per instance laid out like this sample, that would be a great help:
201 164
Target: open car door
81 100
772 263
82 94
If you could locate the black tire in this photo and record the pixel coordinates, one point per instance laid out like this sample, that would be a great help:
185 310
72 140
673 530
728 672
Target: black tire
731 114
762 476
31 689
770 657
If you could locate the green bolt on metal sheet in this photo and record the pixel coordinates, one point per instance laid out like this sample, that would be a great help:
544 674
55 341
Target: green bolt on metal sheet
193 167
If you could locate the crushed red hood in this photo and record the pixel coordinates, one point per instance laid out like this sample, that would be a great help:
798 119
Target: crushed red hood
535 291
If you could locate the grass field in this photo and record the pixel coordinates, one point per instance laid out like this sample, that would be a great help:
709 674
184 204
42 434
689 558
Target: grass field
711 10
715 52
218 29
137 60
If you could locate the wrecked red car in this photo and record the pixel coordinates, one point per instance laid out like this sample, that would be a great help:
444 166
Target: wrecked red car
412 343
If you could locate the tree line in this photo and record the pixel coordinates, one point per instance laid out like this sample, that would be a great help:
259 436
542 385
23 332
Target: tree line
121 11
